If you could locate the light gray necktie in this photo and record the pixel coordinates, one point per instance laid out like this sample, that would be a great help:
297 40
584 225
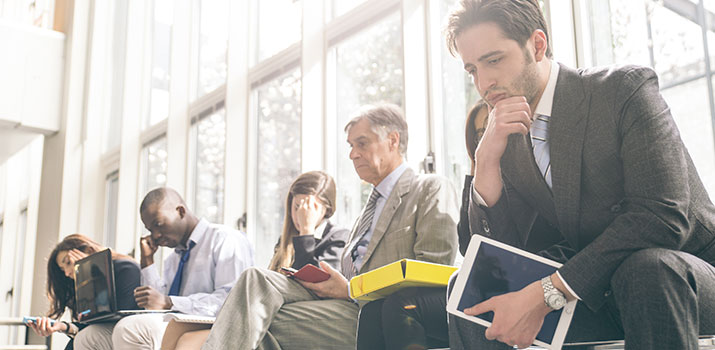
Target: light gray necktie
540 143
352 261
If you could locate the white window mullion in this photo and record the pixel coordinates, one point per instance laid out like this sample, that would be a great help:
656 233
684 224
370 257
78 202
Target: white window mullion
416 79
313 87
237 95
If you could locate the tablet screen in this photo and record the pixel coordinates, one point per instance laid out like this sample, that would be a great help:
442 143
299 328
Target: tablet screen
498 271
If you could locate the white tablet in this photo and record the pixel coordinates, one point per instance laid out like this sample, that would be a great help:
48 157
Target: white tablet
493 268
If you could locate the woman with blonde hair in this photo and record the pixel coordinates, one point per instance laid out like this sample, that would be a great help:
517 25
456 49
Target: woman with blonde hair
307 238
60 292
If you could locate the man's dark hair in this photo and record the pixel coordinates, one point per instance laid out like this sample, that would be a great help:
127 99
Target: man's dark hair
518 19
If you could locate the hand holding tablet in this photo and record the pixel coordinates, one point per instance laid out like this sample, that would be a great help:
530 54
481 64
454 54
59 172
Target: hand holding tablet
499 279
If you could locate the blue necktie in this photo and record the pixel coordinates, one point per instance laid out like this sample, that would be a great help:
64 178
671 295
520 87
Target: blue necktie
353 260
176 285
540 143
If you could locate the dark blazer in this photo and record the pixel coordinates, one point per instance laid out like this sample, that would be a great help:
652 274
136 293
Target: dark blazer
622 181
463 225
309 250
127 277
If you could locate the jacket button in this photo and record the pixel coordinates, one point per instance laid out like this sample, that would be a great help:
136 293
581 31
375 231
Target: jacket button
485 226
616 208
607 294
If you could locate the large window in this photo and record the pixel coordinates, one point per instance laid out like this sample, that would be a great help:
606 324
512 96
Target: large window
278 115
365 69
213 42
111 195
160 62
458 95
154 157
208 144
279 26
668 36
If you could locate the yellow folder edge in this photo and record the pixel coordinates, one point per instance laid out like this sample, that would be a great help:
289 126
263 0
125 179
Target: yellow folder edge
383 281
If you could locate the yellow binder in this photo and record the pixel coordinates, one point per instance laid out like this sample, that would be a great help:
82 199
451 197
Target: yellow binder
383 281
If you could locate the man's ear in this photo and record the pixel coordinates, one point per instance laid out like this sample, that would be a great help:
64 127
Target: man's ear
394 140
181 210
540 44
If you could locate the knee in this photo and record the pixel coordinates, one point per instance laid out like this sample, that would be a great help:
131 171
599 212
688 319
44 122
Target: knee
89 338
648 270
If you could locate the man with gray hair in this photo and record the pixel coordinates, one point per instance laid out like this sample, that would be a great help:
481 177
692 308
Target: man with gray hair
407 216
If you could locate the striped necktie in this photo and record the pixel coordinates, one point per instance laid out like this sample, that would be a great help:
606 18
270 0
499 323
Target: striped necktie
540 143
353 261
176 284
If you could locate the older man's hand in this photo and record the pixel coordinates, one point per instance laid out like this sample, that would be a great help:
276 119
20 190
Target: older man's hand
335 287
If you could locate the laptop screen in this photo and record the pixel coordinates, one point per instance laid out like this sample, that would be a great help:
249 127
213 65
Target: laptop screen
94 286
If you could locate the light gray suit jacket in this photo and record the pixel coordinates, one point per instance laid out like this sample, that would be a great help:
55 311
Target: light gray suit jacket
419 221
622 180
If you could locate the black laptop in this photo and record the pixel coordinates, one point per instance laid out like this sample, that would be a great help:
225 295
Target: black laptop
95 295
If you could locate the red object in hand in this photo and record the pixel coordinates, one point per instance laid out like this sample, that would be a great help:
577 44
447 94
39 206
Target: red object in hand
308 273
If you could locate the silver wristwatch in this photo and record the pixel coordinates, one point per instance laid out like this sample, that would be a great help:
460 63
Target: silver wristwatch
553 297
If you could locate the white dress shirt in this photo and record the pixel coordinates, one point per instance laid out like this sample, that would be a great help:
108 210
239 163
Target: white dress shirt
544 107
215 263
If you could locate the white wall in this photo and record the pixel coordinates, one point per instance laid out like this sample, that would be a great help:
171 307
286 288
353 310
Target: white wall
31 83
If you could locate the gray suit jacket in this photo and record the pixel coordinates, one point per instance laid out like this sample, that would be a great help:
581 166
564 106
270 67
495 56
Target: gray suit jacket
622 180
419 221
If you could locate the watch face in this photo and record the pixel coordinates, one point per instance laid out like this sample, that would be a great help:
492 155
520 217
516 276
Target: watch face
556 301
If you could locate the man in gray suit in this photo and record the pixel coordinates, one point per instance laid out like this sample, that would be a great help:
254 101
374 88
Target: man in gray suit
407 216
586 167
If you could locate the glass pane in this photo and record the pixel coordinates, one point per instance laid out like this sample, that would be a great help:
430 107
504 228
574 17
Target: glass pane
160 62
340 7
111 190
368 69
113 125
279 114
458 97
677 45
690 108
155 155
210 146
629 30
279 26
213 43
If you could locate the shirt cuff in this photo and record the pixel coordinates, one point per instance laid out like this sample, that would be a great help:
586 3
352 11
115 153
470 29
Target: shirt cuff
476 198
567 286
181 304
350 293
150 276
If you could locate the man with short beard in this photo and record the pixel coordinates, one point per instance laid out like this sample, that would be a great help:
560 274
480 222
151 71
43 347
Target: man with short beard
585 167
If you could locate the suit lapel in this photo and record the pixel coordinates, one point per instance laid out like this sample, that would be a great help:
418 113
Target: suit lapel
402 188
567 131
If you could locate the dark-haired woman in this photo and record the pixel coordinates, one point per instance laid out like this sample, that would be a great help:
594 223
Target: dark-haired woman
60 291
307 238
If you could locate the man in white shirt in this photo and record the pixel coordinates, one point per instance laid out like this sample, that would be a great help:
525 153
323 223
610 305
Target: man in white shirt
206 262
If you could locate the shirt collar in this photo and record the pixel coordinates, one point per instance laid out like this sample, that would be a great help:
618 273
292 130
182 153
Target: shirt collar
547 98
196 235
318 234
388 183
